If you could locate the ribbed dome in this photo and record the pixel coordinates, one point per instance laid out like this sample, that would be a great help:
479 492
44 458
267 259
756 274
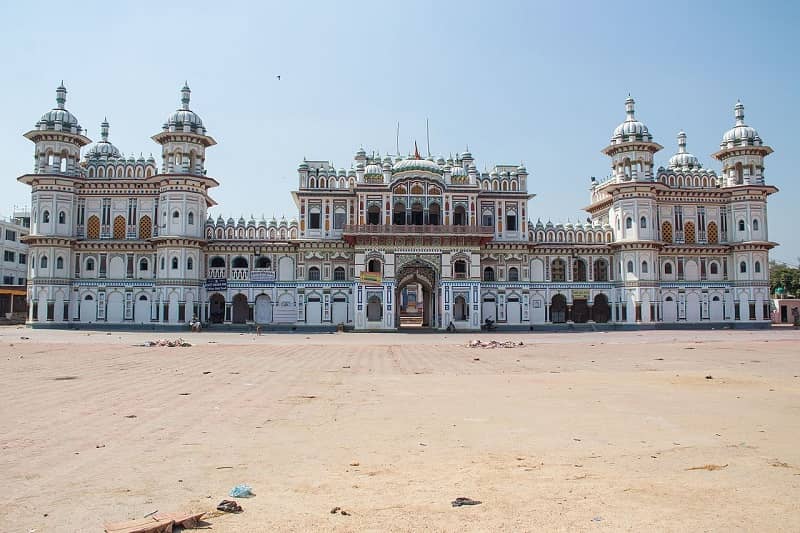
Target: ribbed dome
58 118
185 116
373 170
411 163
740 134
631 127
103 148
683 159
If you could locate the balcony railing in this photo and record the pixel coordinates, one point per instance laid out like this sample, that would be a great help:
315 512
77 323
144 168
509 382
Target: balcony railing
217 272
240 274
377 229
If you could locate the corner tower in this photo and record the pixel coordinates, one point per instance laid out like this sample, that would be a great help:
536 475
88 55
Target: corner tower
742 153
632 148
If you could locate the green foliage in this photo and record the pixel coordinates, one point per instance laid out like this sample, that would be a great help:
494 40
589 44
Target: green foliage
783 275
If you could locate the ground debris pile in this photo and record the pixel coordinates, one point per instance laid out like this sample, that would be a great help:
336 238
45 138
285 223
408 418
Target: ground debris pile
169 343
477 343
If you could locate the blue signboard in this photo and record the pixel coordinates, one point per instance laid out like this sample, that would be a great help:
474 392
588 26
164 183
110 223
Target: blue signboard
216 284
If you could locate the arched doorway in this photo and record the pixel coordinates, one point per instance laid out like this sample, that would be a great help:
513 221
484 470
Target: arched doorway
580 311
216 308
460 308
263 310
88 309
601 312
415 295
240 309
141 309
558 309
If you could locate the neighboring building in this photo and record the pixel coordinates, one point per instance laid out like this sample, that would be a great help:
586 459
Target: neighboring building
394 241
14 265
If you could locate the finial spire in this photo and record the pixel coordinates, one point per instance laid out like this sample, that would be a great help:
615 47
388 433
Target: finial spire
61 95
104 129
185 95
629 107
738 111
682 142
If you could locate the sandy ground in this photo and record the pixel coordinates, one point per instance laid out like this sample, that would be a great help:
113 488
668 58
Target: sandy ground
570 432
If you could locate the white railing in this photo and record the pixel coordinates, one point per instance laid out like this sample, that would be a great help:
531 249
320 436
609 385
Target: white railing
217 272
240 274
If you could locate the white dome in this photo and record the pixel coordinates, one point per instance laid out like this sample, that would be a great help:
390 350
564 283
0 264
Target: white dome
373 170
411 163
59 116
103 148
631 127
683 159
185 116
740 134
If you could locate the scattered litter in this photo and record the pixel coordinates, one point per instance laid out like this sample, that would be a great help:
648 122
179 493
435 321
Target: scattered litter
690 348
130 416
65 378
241 491
708 467
477 343
458 502
597 519
223 467
780 464
170 343
156 523
355 463
339 510
151 513
206 372
476 358
25 338
184 394
229 506
709 376
100 446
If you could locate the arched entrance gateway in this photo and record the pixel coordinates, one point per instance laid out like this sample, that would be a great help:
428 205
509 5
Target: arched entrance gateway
415 295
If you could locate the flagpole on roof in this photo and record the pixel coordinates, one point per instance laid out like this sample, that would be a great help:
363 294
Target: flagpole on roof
397 139
428 136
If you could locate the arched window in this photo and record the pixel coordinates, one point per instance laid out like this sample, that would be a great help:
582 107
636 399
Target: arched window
667 268
60 263
175 215
43 262
743 267
217 262
190 264
643 222
338 274
374 265
513 274
757 267
713 268
579 270
628 223
46 217
488 274
755 224
143 264
190 218
174 263
460 269
62 217
741 225
644 267
163 263
630 267
558 270
600 270
90 265
239 262
313 274
263 261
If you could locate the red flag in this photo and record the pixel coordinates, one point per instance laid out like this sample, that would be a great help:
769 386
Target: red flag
416 151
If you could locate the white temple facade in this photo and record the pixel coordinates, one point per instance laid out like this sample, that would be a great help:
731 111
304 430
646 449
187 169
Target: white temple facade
394 241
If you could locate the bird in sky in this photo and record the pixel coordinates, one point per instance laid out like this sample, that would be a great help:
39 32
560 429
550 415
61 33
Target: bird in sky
279 77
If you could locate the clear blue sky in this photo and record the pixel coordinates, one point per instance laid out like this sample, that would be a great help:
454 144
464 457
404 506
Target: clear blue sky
542 83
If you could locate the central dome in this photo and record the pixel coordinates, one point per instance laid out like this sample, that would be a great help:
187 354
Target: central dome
103 148
424 165
683 159
631 127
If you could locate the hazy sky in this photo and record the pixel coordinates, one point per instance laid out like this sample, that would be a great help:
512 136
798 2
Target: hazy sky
541 83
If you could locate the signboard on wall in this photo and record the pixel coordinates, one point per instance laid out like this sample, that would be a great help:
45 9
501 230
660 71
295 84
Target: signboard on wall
262 275
216 284
371 278
580 294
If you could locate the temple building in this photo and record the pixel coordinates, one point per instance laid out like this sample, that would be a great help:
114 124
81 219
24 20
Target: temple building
393 241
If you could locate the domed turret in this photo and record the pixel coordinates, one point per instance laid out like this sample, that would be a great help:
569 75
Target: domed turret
103 149
740 134
742 153
631 127
683 159
184 139
58 118
412 163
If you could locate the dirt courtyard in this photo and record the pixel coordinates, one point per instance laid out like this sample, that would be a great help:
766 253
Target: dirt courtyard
568 432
